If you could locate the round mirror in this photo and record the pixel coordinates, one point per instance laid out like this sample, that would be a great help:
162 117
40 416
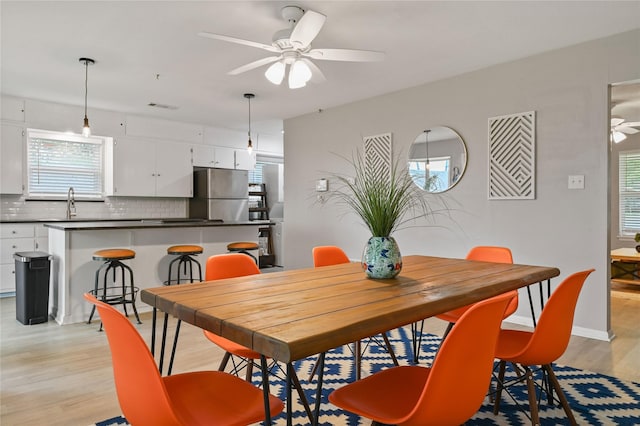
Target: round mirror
437 159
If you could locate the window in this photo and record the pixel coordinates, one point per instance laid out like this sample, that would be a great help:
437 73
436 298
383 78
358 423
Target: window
438 179
57 161
629 192
255 175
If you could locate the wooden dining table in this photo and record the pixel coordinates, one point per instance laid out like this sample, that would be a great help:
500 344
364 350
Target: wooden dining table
293 314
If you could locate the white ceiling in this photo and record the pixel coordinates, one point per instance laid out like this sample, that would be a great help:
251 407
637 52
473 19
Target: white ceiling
149 51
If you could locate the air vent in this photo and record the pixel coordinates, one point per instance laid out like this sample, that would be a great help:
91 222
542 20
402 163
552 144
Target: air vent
163 106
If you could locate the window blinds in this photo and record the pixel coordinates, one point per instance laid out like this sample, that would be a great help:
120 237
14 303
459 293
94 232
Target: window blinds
629 192
57 162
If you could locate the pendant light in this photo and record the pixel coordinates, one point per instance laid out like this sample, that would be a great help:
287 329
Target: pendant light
249 96
86 130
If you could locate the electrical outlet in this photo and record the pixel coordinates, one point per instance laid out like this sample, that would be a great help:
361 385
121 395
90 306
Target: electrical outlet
576 182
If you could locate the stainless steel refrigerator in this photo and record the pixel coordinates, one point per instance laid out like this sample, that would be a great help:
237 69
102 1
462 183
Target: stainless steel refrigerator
220 194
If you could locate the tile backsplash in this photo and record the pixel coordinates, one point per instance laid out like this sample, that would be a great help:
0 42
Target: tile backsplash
15 207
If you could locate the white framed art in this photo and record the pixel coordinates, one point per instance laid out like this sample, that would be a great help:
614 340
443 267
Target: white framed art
512 156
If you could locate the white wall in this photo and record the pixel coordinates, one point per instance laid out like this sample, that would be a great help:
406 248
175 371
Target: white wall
567 88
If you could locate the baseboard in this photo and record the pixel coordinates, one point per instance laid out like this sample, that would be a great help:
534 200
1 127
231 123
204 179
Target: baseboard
589 333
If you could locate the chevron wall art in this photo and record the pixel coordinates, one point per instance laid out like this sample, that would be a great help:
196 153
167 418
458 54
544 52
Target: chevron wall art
512 156
378 154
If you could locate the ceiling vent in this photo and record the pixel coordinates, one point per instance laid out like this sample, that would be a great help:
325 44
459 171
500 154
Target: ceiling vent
163 106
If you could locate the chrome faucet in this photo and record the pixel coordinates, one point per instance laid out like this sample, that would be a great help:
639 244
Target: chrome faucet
71 203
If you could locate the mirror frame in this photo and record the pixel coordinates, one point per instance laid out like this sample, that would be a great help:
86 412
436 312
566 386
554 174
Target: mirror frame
454 134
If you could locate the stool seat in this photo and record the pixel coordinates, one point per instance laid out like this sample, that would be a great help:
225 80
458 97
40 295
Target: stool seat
242 245
185 249
114 254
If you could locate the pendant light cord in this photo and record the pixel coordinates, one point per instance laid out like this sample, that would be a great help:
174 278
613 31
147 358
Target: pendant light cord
249 98
86 85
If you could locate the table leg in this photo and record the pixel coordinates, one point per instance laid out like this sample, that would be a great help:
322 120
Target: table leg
153 332
316 415
265 390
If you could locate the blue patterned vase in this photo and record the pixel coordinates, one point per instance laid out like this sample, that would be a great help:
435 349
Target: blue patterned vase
381 258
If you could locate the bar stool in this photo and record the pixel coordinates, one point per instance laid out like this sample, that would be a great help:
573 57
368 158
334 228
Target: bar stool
186 262
243 247
115 295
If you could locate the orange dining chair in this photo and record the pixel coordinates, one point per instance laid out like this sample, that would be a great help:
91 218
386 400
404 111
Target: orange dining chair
232 265
223 266
188 399
544 345
447 393
333 255
482 254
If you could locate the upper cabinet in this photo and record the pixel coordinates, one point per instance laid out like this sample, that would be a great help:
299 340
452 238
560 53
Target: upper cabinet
221 157
145 168
244 160
11 159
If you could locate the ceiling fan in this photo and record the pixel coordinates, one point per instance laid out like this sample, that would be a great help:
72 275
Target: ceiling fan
292 47
620 129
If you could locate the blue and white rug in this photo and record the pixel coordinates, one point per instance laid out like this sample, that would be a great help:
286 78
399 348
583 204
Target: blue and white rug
596 399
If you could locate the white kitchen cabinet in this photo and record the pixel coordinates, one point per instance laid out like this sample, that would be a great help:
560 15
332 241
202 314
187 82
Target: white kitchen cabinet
225 157
203 156
244 160
142 168
222 157
174 172
11 159
18 238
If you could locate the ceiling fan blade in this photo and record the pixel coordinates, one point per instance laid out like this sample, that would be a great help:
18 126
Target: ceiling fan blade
628 130
616 121
254 64
239 41
307 29
345 55
631 124
316 75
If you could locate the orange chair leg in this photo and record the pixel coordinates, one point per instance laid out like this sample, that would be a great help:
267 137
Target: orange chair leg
499 386
249 370
225 360
387 343
563 398
533 401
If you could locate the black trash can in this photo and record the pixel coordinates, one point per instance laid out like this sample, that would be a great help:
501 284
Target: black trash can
32 286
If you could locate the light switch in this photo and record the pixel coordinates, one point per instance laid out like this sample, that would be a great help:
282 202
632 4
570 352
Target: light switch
576 182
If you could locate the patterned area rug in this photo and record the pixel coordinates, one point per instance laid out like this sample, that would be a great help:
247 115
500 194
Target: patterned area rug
595 399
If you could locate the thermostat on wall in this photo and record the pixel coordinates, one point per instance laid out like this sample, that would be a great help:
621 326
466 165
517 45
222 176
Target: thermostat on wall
322 185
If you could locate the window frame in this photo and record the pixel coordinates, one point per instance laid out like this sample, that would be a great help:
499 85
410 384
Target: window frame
626 193
64 137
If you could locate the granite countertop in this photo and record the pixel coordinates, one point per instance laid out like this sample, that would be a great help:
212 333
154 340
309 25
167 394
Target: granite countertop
147 224
96 224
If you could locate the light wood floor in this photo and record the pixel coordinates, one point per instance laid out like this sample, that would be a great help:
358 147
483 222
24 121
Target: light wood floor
52 375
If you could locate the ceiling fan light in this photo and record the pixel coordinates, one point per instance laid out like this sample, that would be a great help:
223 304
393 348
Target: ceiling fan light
275 73
618 137
301 71
299 74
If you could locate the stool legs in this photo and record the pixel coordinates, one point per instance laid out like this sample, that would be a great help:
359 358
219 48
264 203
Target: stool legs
115 299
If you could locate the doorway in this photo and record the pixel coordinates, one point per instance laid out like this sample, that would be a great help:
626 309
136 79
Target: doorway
624 181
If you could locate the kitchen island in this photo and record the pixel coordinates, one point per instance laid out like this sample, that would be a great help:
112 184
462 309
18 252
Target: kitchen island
73 243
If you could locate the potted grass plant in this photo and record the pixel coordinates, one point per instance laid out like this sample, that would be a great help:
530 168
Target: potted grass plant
385 200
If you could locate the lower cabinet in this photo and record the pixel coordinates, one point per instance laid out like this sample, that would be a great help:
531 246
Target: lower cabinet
18 238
